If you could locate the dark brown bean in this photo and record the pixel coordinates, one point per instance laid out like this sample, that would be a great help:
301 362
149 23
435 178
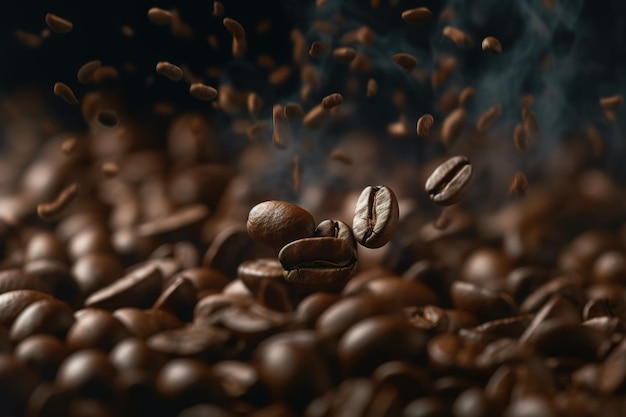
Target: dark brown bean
332 100
254 104
218 8
43 353
376 216
185 382
169 70
53 210
492 45
487 118
12 304
65 92
424 124
344 54
453 125
145 323
282 135
87 372
47 316
201 342
519 184
276 223
335 228
18 383
160 16
486 304
312 307
229 248
372 88
293 111
182 219
319 49
449 181
405 61
315 118
612 103
86 71
235 28
417 15
466 94
179 299
58 24
94 271
202 91
95 329
135 355
457 36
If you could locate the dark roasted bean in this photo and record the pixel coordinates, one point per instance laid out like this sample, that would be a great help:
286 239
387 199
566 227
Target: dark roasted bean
276 223
448 182
87 373
417 15
58 24
424 124
492 45
169 70
95 329
375 216
65 92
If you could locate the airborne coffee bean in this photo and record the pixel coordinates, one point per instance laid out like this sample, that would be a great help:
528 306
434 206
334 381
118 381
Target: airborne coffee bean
58 24
492 45
335 228
375 216
276 223
418 15
65 92
424 124
448 182
169 70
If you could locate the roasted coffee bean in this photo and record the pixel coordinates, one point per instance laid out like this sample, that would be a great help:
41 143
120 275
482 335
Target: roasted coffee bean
252 272
182 219
110 169
169 70
281 137
559 338
54 210
88 373
374 341
160 16
178 298
372 88
453 125
43 353
145 323
107 118
486 267
311 308
409 380
486 119
229 248
424 124
18 382
68 146
94 271
280 75
201 342
135 355
520 137
405 61
418 15
401 292
293 111
254 104
449 181
47 316
240 380
604 307
612 103
519 184
95 329
315 117
65 92
276 223
140 288
58 24
344 54
15 279
318 263
332 100
218 8
12 304
376 216
457 36
486 304
202 91
492 45
335 228
235 28
567 287
466 94
319 49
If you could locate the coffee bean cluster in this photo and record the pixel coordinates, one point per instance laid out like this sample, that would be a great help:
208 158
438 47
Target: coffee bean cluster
141 277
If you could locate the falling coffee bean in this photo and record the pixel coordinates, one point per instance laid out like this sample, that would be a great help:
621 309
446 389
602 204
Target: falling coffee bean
376 216
519 184
448 182
492 45
276 223
424 124
418 15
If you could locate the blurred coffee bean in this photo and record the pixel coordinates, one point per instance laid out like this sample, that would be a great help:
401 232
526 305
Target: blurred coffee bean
276 223
95 271
95 329
488 268
230 248
486 304
179 299
206 343
134 354
145 323
311 308
407 379
44 245
42 353
15 279
88 373
17 383
12 303
47 316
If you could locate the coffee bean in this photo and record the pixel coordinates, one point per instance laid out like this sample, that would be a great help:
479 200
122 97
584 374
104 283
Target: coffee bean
466 94
43 353
254 104
311 308
107 118
401 292
135 355
15 279
276 223
95 329
169 70
318 263
65 92
68 146
377 340
208 343
449 181
47 316
58 24
12 303
453 125
239 47
372 88
418 15
94 271
319 49
492 45
340 155
487 118
53 210
486 304
282 136
218 8
240 380
140 288
335 228
160 16
612 103
202 91
519 184
405 61
315 117
426 407
344 54
183 218
235 28
424 124
332 100
179 299
18 383
87 373
457 36
409 380
145 323
375 216
229 248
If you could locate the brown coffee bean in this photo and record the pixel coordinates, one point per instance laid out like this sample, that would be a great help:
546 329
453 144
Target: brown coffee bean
612 103
140 288
254 104
315 118
332 100
65 92
519 184
403 293
418 15
18 383
160 16
68 146
240 380
178 298
202 91
203 278
218 8
43 353
318 263
565 286
520 137
239 47
169 70
47 316
87 373
453 125
235 28
449 181
374 341
53 210
282 135
145 323
466 94
340 155
344 54
319 49
312 307
486 304
376 216
335 228
488 117
424 124
95 329
492 45
229 249
405 61
252 272
276 223
407 379
58 24
12 304
135 355
94 271
372 88
202 342
457 36
44 245
182 219
15 279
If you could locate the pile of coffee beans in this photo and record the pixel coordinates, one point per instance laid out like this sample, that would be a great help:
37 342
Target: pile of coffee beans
266 256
